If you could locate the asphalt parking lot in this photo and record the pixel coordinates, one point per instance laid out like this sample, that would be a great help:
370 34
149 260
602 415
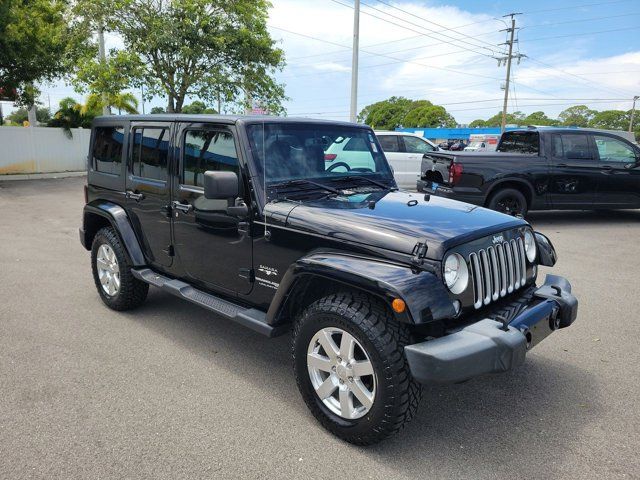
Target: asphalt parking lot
171 391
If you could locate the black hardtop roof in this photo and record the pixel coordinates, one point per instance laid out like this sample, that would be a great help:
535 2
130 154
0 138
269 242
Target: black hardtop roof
543 128
228 119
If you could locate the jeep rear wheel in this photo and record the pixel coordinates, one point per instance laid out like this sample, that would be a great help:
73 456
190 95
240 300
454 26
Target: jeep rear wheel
111 268
351 370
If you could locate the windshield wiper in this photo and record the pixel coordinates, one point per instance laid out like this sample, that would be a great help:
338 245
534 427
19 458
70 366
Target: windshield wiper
370 180
302 181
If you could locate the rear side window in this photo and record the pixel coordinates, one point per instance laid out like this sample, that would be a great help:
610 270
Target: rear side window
389 143
207 150
573 147
519 142
149 152
356 144
107 149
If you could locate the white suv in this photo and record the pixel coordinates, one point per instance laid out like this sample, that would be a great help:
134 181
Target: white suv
404 152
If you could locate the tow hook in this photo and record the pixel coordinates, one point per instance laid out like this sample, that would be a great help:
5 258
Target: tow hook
554 319
504 321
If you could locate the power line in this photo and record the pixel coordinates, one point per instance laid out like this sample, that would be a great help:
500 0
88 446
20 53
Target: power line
421 32
582 34
428 21
575 6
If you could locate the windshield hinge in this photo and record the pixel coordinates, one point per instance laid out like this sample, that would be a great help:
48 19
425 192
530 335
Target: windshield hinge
419 253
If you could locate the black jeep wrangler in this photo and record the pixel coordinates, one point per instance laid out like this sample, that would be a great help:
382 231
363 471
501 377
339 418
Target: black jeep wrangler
285 224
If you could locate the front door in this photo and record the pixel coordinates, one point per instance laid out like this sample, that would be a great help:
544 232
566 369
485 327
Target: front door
212 247
619 184
574 171
148 189
414 148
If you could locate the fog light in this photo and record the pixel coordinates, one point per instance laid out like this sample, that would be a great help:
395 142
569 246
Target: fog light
398 305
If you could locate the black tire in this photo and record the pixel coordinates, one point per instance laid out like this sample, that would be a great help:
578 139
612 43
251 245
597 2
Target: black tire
370 322
509 201
132 292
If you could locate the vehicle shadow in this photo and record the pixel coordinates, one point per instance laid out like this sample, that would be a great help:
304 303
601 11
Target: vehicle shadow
582 217
531 416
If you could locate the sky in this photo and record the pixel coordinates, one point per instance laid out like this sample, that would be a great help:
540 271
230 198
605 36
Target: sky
577 52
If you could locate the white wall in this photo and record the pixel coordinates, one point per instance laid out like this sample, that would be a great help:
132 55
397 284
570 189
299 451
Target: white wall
40 150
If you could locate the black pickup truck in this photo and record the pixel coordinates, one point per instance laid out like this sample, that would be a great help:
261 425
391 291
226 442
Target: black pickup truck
382 289
540 169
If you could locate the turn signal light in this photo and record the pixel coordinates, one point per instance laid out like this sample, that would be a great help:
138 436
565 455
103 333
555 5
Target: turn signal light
398 305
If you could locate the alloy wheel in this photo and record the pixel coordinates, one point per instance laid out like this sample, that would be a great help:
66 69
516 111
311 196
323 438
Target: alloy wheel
108 269
341 373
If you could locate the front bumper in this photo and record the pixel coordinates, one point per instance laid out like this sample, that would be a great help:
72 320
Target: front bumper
492 346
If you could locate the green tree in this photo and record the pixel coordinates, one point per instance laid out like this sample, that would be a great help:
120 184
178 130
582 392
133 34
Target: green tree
478 123
425 114
202 48
611 120
576 116
21 115
71 114
197 107
540 118
404 112
515 118
38 42
156 110
126 102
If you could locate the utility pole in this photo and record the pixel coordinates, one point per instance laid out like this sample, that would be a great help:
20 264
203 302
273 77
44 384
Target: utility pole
142 97
633 112
102 57
511 30
354 62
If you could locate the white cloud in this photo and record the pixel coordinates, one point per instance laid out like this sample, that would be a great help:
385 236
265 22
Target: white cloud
441 72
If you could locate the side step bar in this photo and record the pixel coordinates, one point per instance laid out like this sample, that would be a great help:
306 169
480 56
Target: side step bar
249 317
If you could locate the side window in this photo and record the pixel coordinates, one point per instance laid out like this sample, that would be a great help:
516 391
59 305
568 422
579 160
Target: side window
207 150
356 144
612 150
576 147
389 143
107 149
416 145
149 152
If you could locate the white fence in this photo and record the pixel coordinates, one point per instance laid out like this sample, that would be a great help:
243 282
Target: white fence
42 150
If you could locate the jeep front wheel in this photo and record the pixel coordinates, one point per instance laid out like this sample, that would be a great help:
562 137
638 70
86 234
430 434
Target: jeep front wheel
351 370
117 287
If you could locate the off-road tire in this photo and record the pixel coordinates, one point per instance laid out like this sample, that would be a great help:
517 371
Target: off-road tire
371 323
132 292
508 194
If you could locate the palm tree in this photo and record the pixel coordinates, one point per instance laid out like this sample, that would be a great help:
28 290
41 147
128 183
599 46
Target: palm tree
122 101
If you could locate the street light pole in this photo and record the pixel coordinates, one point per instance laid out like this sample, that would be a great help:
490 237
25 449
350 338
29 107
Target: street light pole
633 112
354 62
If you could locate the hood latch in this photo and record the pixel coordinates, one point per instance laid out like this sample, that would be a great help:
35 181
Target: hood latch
419 253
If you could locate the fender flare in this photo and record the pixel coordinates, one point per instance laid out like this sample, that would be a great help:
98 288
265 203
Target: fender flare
425 295
119 220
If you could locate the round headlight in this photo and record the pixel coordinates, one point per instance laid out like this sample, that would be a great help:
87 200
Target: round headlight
456 274
530 246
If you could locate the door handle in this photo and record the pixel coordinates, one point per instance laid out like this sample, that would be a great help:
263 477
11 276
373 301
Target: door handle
607 168
133 195
183 207
561 165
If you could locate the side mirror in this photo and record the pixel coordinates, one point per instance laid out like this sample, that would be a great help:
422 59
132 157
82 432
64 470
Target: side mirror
220 185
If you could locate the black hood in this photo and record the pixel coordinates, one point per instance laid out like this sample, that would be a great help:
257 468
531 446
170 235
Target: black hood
396 220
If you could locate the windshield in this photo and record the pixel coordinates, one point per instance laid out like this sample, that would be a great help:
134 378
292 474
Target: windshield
289 152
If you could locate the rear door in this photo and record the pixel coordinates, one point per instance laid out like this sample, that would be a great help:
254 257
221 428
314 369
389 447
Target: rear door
148 189
618 184
392 148
574 171
213 248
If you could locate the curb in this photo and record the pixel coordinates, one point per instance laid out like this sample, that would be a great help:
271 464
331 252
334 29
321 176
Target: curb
40 176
